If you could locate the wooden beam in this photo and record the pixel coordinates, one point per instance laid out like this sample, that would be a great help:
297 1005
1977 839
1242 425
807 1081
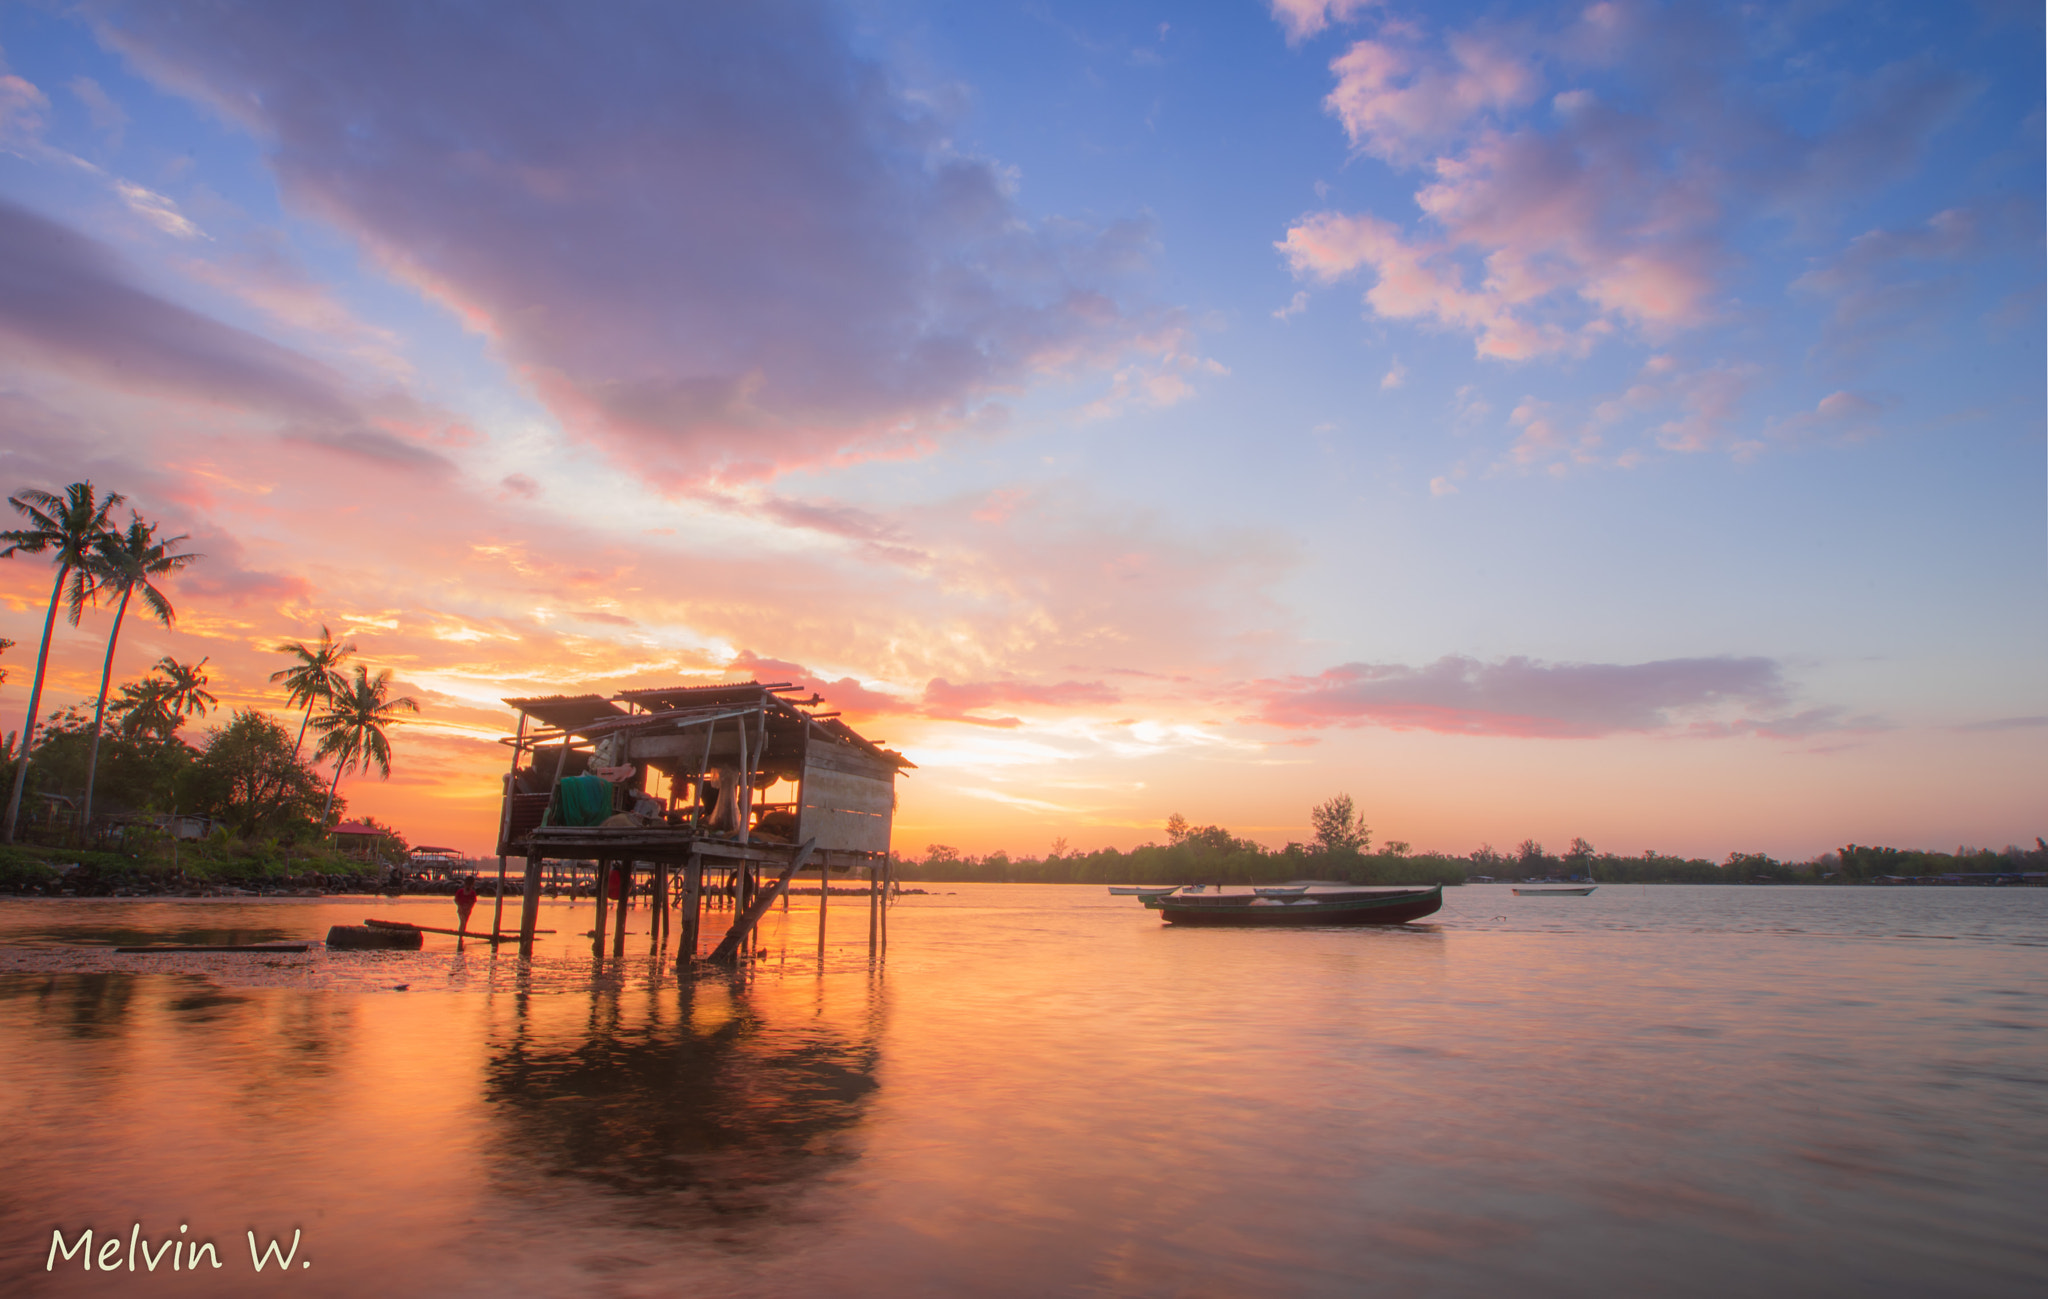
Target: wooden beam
729 946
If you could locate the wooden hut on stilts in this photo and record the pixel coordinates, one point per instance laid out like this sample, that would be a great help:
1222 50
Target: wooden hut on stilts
706 794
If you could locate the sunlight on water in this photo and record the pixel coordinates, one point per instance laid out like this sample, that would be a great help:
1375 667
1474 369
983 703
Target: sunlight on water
1650 1090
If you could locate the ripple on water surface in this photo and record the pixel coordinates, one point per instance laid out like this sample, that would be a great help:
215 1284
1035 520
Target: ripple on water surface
1650 1090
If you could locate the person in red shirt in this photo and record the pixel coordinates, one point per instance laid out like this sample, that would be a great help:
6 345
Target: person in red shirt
465 901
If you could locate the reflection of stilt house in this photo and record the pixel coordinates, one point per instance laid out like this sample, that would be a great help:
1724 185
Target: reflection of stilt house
733 778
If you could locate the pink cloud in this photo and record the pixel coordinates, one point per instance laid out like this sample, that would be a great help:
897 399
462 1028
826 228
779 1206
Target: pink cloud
1845 415
1395 103
951 702
1550 224
1301 19
718 246
942 700
1518 696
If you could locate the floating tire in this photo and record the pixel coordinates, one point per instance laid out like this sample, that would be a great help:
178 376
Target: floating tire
362 936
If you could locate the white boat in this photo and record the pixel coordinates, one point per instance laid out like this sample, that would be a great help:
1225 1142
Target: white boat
1141 890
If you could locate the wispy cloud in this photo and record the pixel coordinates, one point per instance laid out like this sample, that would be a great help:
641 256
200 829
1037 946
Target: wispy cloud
1529 698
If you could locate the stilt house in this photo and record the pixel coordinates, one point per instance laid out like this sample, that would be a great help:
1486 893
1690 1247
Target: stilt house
742 778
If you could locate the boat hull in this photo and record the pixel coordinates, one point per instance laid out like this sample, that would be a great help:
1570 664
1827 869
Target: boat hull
1555 893
1335 909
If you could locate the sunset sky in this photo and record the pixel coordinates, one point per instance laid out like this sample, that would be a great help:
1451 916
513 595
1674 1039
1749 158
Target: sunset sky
1619 420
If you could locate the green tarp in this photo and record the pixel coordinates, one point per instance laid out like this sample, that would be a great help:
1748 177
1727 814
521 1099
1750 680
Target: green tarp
581 800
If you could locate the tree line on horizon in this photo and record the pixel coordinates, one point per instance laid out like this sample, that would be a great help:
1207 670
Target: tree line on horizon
1341 850
247 774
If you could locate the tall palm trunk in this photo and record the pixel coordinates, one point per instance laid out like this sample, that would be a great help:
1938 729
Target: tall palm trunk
35 701
332 786
304 722
99 711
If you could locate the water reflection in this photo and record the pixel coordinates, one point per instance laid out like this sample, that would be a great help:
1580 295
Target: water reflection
705 1099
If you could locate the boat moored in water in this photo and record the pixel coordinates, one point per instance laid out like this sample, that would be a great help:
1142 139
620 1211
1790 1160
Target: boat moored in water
1141 890
1578 892
1338 907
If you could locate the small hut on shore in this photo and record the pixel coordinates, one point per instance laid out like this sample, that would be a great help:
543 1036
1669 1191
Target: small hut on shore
738 779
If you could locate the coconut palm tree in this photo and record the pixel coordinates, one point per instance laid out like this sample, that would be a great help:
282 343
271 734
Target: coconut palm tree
352 728
66 528
185 688
145 709
317 678
126 561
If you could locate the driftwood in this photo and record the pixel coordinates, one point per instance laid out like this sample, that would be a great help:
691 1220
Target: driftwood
401 926
218 947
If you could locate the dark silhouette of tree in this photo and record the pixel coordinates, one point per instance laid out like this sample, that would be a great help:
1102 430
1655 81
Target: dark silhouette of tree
1339 826
352 728
315 679
248 778
67 528
127 562
144 708
185 693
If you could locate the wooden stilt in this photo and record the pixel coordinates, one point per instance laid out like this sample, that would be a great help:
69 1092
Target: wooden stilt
498 907
619 917
729 946
693 889
658 917
888 886
505 827
530 907
874 908
603 912
824 896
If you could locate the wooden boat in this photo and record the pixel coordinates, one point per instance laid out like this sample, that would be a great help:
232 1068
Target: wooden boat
1556 893
1141 890
1281 890
1345 907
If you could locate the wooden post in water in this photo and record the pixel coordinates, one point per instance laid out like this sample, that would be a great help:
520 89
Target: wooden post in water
824 895
693 888
505 829
603 911
619 916
888 887
529 908
657 919
874 907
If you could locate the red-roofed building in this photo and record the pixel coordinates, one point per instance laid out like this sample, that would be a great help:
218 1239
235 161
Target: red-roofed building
354 836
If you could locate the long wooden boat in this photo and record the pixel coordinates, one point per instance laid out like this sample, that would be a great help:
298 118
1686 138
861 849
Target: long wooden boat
1141 890
1348 907
1555 893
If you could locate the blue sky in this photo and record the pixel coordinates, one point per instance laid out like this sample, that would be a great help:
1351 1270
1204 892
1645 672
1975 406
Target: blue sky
1619 420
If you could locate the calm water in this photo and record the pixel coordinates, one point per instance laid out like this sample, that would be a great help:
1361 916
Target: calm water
1673 1091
